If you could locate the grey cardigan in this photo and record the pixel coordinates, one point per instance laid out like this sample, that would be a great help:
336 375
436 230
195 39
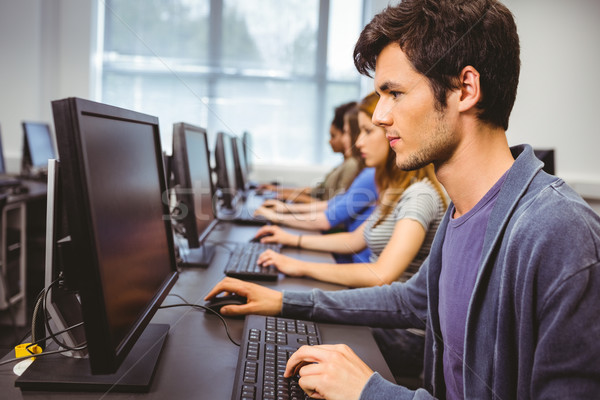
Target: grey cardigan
533 324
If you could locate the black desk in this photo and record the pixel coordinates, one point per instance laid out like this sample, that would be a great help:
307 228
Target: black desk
23 238
197 355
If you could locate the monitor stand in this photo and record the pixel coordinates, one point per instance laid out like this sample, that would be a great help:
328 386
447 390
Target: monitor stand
197 258
67 374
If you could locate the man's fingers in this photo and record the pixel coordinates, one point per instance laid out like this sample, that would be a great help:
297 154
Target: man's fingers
304 355
226 285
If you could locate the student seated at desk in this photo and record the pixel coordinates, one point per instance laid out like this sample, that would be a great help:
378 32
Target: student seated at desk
340 177
509 294
346 211
399 234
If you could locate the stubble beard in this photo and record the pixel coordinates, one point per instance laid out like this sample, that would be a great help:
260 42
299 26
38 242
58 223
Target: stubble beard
437 149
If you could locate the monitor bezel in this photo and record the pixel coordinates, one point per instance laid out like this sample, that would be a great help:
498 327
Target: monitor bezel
2 162
27 166
184 186
228 190
241 169
247 143
84 270
547 156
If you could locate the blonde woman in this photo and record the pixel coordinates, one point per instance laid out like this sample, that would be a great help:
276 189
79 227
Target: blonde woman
398 233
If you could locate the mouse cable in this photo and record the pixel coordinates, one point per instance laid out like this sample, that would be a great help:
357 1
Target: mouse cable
200 307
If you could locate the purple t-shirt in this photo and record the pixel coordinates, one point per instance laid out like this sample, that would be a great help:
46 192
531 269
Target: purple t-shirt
461 255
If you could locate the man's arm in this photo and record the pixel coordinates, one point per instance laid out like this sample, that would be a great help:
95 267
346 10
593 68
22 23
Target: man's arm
399 305
338 372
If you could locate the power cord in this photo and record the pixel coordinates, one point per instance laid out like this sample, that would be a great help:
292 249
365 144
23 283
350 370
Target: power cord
81 346
37 319
201 307
46 353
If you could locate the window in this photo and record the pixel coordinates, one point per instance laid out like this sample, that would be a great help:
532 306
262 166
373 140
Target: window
274 68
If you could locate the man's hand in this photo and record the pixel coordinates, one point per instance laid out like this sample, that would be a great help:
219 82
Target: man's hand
329 371
260 300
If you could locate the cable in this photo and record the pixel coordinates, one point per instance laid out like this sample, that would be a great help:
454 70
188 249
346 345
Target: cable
198 306
35 318
46 353
206 309
82 346
47 322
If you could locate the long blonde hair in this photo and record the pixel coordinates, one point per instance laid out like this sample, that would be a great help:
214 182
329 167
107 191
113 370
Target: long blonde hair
391 180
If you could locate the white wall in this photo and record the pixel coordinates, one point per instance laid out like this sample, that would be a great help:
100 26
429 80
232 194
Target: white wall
559 89
557 101
46 49
45 52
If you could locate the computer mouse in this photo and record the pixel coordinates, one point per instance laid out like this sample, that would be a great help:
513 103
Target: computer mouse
216 303
257 238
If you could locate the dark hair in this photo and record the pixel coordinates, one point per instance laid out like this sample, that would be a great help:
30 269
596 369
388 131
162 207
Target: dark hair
441 37
351 116
338 116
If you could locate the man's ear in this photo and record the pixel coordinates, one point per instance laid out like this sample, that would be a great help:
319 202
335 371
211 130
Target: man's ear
470 89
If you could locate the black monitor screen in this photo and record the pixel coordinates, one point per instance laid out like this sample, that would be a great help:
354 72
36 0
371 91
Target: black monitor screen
241 167
2 166
226 168
547 157
247 142
130 232
193 176
39 143
123 258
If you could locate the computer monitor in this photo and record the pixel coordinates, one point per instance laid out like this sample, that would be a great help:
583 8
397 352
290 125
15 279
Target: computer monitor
225 167
38 148
2 164
194 191
241 167
7 181
167 161
547 157
62 304
119 255
247 142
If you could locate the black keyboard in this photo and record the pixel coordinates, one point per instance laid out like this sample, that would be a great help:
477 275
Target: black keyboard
267 344
242 262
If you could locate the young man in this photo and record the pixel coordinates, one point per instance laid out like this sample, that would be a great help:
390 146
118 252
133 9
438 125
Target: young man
510 293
